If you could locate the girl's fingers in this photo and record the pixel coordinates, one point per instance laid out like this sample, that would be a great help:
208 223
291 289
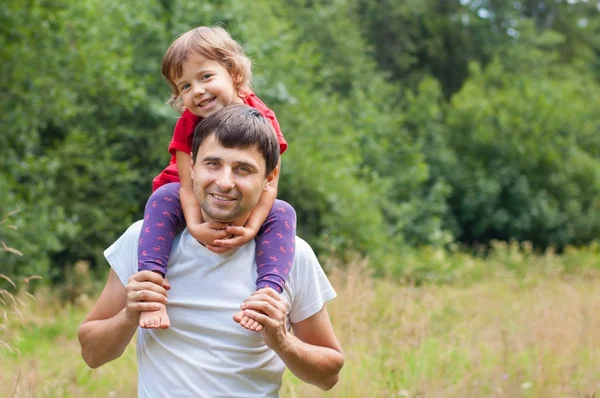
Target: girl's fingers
220 234
217 225
230 243
237 230
217 249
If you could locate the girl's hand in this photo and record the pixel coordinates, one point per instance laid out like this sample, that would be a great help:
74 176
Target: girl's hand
209 232
238 236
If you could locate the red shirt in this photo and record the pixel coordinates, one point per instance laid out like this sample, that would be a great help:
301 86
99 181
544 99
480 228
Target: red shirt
183 136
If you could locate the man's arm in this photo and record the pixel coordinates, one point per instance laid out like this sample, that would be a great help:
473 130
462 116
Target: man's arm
113 320
314 354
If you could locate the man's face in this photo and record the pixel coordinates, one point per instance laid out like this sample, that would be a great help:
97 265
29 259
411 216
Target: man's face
228 182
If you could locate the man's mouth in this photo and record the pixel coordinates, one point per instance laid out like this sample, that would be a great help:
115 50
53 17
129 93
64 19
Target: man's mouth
206 102
219 197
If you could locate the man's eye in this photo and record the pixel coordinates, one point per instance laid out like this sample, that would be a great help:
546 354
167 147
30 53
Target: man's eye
244 169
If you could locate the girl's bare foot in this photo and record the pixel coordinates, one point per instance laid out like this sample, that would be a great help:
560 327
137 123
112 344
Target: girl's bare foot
155 319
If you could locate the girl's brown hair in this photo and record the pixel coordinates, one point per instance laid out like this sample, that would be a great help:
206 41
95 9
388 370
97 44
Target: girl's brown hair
213 43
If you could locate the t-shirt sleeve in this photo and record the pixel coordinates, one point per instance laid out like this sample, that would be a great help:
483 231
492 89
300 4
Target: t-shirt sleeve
122 255
308 283
183 135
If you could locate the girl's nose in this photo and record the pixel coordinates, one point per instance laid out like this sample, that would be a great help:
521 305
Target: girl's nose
199 89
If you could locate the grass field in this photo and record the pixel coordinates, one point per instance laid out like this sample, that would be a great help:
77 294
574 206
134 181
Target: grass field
531 333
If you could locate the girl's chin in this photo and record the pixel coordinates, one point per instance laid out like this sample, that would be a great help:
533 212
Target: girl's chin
212 108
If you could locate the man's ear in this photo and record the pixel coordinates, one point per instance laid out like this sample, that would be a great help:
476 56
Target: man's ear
271 177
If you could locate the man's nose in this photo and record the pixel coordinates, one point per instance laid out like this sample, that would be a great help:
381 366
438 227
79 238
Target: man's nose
225 180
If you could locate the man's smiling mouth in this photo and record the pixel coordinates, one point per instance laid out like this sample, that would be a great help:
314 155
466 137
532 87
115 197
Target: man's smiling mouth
219 197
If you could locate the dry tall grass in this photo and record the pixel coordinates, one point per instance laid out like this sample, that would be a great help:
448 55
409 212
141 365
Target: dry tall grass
507 337
530 335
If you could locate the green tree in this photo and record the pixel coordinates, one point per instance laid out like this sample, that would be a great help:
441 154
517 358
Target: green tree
528 164
78 115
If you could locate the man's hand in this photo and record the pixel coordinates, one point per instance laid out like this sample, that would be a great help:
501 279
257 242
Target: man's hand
268 308
145 290
208 233
312 353
238 237
114 319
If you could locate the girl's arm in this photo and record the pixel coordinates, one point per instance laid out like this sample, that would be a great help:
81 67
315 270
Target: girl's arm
206 233
258 215
189 204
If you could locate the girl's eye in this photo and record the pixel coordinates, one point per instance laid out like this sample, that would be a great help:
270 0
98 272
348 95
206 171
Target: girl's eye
206 77
184 87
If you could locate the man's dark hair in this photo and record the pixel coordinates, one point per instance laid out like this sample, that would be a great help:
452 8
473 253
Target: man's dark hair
239 126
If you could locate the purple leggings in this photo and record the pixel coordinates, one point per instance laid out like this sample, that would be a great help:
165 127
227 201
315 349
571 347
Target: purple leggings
163 219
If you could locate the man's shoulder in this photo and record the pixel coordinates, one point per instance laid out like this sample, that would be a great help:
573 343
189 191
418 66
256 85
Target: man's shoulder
130 235
303 249
134 228
305 260
308 286
122 254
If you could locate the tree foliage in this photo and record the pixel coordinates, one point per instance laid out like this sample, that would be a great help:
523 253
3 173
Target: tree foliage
409 122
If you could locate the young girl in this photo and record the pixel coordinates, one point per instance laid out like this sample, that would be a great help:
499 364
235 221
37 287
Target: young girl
207 71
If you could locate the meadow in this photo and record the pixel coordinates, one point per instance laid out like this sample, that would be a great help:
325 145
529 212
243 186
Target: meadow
515 324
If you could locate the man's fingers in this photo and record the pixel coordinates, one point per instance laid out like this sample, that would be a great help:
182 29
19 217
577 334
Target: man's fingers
149 276
272 309
149 295
269 292
148 287
261 318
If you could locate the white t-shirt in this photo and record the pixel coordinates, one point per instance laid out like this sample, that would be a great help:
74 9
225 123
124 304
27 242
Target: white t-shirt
205 353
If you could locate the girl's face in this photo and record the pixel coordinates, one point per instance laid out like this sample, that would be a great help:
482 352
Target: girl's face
205 86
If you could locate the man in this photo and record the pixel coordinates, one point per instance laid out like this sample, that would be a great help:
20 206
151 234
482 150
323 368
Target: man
205 352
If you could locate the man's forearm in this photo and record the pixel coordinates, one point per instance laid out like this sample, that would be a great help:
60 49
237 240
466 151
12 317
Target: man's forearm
313 364
105 340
